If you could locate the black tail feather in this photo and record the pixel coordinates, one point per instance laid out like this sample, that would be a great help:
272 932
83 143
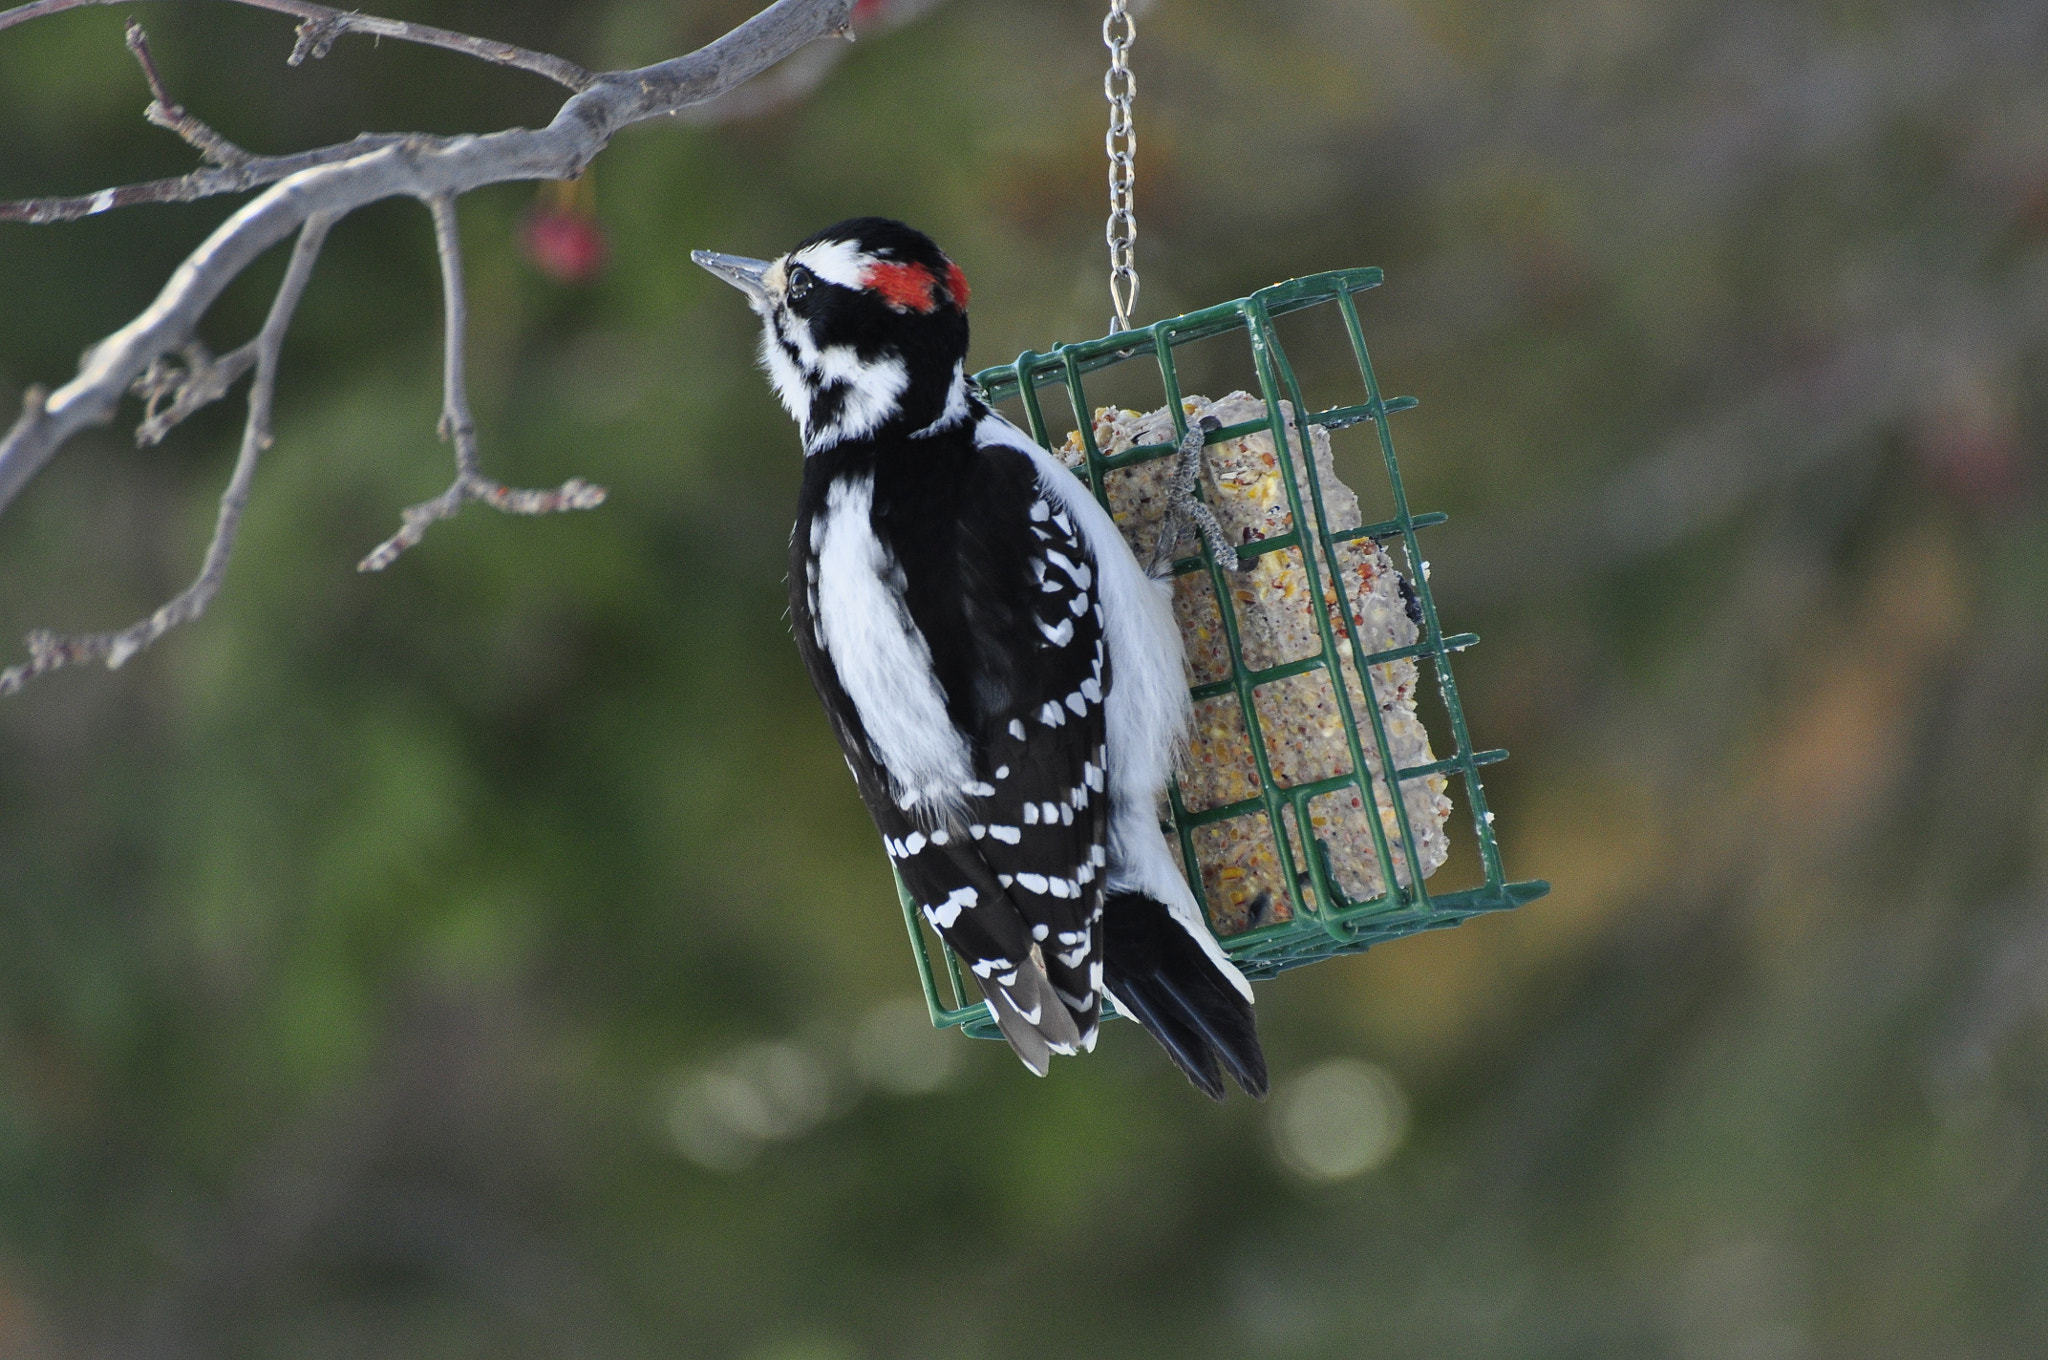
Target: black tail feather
1225 1020
1168 983
1138 999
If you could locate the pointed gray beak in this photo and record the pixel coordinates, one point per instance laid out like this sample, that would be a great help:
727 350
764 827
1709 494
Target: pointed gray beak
737 270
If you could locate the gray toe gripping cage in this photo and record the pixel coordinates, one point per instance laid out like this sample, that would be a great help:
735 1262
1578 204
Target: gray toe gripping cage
1328 925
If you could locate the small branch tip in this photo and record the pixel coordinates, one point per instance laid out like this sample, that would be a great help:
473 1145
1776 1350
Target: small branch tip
574 494
316 38
138 44
168 114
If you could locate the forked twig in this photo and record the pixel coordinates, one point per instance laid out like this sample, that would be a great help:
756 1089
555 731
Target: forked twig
167 113
209 181
338 180
198 381
458 426
49 651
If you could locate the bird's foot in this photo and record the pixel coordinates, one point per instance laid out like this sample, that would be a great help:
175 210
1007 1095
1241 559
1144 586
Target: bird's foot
1184 507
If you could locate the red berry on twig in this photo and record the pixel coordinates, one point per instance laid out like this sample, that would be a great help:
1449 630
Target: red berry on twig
561 236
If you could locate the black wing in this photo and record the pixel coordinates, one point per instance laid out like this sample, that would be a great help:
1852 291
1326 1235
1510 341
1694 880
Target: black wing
1042 810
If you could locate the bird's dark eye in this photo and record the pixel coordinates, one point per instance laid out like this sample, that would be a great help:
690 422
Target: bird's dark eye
799 282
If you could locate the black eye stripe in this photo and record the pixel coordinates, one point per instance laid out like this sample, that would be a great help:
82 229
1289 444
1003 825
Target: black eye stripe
800 281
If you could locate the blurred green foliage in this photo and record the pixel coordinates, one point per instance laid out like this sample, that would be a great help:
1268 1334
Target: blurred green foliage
490 958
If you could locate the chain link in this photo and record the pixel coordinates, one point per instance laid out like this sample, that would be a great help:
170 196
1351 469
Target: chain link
1120 87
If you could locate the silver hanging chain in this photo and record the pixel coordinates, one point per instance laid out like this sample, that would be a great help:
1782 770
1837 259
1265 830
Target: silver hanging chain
1121 87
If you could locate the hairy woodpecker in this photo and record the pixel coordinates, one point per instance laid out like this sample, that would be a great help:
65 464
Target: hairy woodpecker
1005 680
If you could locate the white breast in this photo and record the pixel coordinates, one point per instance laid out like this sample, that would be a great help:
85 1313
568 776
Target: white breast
882 660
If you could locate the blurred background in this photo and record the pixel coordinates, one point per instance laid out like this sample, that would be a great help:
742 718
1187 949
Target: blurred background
491 957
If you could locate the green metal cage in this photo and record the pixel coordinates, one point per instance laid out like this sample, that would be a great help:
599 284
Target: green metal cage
1330 924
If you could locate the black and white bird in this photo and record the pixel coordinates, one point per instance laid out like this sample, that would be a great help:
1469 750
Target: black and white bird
1005 680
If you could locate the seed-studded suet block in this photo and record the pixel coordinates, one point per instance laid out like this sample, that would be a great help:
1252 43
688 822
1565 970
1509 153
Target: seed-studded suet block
1274 608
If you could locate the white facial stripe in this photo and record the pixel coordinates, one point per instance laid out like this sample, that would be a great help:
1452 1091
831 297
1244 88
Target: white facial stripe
882 660
837 262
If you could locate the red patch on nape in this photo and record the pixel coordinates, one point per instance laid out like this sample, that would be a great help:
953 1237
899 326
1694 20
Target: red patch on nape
956 284
906 287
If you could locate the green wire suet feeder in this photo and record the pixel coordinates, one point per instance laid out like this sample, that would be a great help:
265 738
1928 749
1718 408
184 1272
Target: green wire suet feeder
1316 920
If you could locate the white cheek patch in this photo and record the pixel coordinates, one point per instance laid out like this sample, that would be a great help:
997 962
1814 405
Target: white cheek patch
872 389
882 660
868 391
801 371
796 335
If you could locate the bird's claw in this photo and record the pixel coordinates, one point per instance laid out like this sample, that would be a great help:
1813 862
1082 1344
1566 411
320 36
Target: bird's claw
1185 507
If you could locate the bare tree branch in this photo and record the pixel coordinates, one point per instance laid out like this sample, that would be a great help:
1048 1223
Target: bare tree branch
459 426
319 26
790 82
230 169
803 73
157 355
207 182
417 166
49 652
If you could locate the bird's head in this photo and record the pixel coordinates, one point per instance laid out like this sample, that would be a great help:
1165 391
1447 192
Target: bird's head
864 326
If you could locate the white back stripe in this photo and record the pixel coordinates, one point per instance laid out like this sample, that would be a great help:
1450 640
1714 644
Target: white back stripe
882 660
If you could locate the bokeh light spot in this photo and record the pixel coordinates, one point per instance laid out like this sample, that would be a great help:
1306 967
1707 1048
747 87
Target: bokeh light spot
1339 1119
721 1116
